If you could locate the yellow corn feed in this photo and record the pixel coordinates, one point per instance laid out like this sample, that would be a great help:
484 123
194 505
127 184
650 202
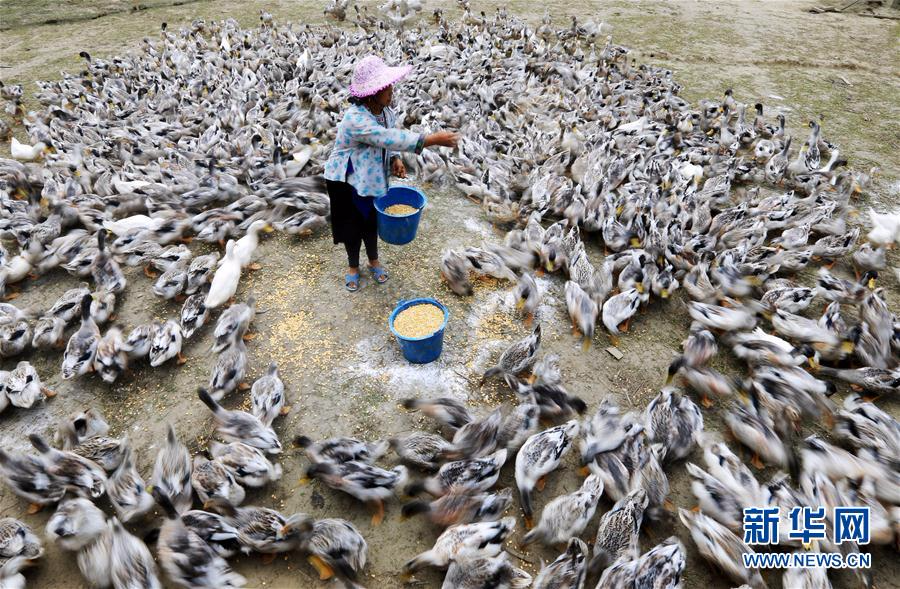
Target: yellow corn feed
400 210
419 320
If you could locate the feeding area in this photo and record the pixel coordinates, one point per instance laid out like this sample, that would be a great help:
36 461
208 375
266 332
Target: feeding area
636 300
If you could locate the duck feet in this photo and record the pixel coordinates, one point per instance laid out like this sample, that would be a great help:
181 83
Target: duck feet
624 326
695 509
242 386
248 337
541 483
285 410
529 522
529 320
47 392
325 571
378 515
181 359
255 266
34 508
150 273
756 461
11 296
706 401
669 506
584 471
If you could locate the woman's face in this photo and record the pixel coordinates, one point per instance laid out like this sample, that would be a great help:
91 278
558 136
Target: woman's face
385 96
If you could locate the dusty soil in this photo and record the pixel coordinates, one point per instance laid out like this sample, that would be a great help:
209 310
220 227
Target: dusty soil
343 371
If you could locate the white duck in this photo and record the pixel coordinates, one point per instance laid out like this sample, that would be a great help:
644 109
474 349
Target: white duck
225 282
123 226
245 246
24 152
885 228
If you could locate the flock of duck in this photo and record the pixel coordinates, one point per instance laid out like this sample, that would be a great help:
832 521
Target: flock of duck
216 134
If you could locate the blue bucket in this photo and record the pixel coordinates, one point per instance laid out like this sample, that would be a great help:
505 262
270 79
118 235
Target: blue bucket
394 229
420 350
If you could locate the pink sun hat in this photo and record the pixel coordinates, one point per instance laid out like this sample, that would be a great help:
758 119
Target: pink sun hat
371 75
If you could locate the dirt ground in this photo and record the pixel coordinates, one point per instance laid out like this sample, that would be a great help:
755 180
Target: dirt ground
343 371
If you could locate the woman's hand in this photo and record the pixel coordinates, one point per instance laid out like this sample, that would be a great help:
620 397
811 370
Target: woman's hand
442 138
397 167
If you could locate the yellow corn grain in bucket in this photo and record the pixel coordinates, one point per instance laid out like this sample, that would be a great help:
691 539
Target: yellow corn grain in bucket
419 320
400 210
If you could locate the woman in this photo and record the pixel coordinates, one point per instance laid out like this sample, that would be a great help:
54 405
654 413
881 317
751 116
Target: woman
363 156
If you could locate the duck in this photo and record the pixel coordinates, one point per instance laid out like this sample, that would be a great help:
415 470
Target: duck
722 318
249 465
477 438
111 357
127 491
566 516
15 338
186 558
341 449
721 547
79 355
267 400
583 312
760 348
48 333
166 344
519 424
455 273
864 425
885 228
140 340
228 371
28 477
225 281
422 449
832 288
673 420
233 324
80 427
23 387
246 246
460 541
171 283
105 270
172 472
792 299
662 565
336 549
240 426
263 530
832 247
107 452
27 153
569 569
213 480
518 357
102 306
366 482
17 539
75 524
617 534
448 411
95 559
174 256
528 296
486 263
876 380
193 315
212 528
132 565
539 456
68 306
474 475
79 475
476 572
708 382
199 271
619 309
752 425
554 401
461 506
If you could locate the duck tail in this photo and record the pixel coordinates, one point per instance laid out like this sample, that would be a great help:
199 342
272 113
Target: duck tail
171 436
208 400
165 502
415 488
532 536
39 443
343 570
303 442
414 508
410 403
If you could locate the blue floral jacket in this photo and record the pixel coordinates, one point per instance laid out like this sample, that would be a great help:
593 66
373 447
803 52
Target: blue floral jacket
362 141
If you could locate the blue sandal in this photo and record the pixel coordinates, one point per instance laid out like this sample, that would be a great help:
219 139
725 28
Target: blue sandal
350 279
380 274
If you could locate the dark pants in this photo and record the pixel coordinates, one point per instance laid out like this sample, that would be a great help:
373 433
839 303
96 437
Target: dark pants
353 221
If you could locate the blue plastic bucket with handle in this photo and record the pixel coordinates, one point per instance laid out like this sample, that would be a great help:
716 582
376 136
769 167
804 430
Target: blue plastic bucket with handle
425 349
394 229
